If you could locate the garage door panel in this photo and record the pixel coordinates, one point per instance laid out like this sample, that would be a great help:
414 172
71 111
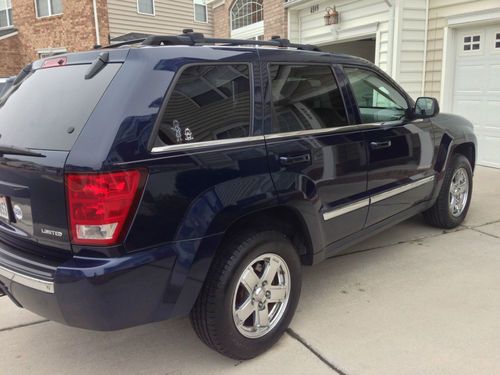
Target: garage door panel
491 122
465 83
476 93
470 109
494 81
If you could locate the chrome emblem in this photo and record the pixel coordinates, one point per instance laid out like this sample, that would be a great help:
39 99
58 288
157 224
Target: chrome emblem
18 213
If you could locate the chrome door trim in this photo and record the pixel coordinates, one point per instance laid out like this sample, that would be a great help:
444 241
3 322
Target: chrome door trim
198 145
399 190
30 282
375 198
346 209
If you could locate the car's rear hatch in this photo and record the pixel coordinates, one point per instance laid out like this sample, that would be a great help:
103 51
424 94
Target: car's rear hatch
41 118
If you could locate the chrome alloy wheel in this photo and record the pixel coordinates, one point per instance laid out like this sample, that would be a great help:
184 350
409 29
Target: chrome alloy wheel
459 192
261 296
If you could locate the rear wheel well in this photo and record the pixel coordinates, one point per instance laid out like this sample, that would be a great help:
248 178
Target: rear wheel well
468 150
281 219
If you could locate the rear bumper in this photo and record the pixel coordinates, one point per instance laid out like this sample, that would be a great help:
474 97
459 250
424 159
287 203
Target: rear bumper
113 293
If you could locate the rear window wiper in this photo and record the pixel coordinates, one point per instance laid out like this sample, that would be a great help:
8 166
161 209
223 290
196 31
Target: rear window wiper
11 150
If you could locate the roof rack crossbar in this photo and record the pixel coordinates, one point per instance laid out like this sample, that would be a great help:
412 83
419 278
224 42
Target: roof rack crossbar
190 38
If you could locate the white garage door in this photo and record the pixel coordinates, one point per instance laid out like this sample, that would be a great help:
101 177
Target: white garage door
477 87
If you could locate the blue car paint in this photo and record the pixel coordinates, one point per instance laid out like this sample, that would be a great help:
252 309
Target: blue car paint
189 201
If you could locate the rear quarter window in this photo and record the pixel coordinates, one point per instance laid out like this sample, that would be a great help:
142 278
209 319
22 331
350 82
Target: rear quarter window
208 102
49 108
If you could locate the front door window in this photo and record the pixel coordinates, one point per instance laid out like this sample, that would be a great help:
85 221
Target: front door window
378 101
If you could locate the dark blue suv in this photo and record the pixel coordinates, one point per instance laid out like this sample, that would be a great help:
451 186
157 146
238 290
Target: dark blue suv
184 174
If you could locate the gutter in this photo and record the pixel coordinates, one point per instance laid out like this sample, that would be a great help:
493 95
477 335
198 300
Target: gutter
96 22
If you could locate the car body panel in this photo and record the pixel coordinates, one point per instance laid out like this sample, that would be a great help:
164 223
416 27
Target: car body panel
195 195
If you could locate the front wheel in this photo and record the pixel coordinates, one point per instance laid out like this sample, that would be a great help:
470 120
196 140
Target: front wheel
454 199
250 295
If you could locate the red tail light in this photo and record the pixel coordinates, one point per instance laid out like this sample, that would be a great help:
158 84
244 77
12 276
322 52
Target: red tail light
100 205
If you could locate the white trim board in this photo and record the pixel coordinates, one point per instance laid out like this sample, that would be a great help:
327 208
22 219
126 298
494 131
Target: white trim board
14 33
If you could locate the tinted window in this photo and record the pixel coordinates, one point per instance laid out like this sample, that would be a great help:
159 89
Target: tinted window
208 103
305 97
39 112
377 100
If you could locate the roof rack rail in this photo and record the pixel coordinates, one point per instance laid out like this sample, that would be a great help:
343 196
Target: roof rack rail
190 38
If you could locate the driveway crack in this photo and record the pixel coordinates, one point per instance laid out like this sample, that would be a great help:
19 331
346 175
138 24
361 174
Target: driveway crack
485 233
309 347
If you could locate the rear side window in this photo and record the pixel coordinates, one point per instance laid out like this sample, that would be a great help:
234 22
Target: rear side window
208 102
49 109
305 97
377 99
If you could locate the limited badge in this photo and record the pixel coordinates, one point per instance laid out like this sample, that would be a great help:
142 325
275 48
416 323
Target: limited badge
18 213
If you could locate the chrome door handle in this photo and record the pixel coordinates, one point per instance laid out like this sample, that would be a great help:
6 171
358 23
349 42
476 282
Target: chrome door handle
289 160
379 145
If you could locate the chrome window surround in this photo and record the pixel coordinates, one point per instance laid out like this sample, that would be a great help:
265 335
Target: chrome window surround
217 142
225 142
375 198
30 282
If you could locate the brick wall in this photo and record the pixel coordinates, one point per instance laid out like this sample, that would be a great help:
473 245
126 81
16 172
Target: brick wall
221 21
11 57
73 30
275 19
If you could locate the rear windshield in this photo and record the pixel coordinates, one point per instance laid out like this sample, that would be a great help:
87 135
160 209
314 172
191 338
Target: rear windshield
49 109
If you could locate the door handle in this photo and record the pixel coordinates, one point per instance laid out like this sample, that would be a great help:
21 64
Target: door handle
379 145
289 160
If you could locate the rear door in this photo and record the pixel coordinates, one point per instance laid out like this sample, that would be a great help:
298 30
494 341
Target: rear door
401 151
40 120
318 162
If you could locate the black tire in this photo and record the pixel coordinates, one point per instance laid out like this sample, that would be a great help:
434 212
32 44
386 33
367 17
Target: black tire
439 214
212 315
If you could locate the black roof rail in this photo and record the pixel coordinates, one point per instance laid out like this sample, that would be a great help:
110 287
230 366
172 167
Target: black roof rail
190 38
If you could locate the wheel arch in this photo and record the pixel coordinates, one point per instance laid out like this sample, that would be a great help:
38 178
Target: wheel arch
467 149
285 219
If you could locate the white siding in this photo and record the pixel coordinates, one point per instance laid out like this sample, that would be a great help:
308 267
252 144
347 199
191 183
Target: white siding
440 11
358 19
411 45
171 17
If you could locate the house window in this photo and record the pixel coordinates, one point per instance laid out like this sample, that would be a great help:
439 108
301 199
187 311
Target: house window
246 12
472 43
146 7
497 41
5 14
200 11
47 8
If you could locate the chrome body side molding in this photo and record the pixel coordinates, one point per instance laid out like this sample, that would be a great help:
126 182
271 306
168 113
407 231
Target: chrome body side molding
402 189
376 198
346 209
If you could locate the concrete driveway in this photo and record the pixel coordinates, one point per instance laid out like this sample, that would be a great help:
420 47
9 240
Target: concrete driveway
412 300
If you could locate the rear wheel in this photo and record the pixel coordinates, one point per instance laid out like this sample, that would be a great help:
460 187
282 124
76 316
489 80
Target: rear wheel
250 295
453 201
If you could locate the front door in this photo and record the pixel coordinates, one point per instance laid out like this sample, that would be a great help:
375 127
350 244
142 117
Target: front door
318 162
401 152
